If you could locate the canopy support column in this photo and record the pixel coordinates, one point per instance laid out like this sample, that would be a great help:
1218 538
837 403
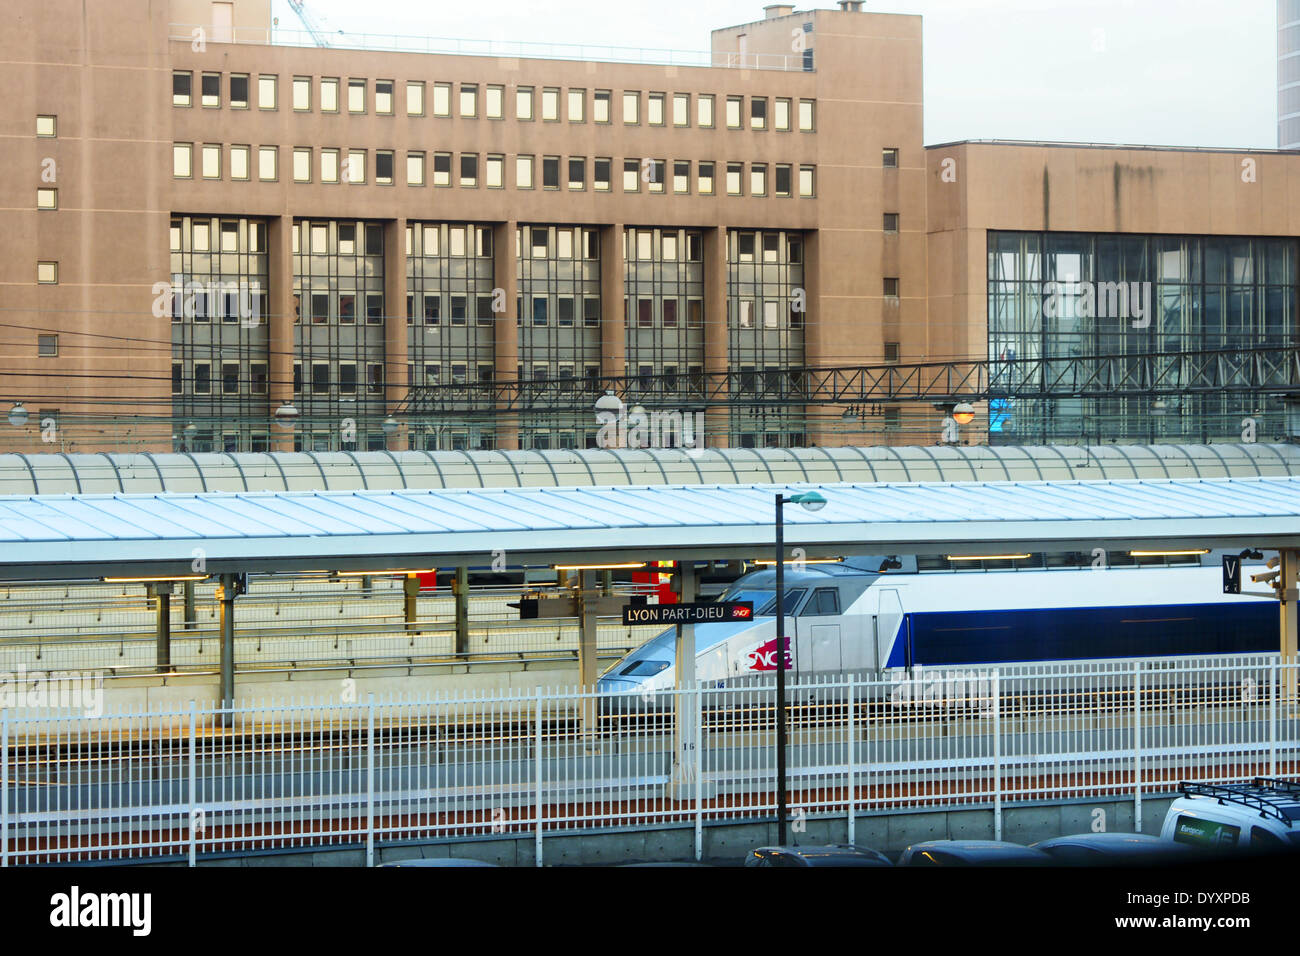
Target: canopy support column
162 592
460 588
410 600
588 604
1290 621
685 773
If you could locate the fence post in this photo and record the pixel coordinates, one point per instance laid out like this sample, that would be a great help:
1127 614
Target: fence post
4 788
699 771
849 761
1272 718
537 776
370 780
997 755
1137 746
191 761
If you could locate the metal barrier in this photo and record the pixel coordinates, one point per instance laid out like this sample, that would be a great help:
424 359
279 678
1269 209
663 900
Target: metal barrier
175 783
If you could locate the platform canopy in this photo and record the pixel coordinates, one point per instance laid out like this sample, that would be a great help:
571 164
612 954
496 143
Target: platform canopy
61 537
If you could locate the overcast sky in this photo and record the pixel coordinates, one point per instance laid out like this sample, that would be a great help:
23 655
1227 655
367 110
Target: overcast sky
1163 72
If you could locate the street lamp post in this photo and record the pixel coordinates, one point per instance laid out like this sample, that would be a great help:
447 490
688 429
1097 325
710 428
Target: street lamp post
813 502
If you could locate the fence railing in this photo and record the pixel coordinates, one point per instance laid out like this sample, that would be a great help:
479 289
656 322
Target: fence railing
190 781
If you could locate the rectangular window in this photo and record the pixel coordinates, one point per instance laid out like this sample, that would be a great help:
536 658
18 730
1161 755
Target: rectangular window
47 273
257 378
631 107
631 175
267 164
182 160
239 91
591 312
781 117
681 109
600 106
758 179
384 97
178 378
301 165
681 176
414 97
704 111
784 180
297 377
415 169
432 374
564 311
347 378
229 378
329 94
442 99
239 162
644 313
891 352
210 90
267 86
495 171
806 117
469 100
384 167
734 104
494 98
771 314
458 374
485 373
807 186
524 103
442 169
891 222
458 305
695 313
374 307
758 112
356 96
469 170
658 175
523 172
577 106
891 287
329 165
182 81
320 377
550 172
577 173
539 310
670 313
889 158
47 126
706 179
347 301
734 173
202 378
356 169
301 93
600 174
655 109
550 105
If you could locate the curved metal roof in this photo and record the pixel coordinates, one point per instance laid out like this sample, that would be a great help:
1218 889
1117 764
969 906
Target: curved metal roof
72 536
388 471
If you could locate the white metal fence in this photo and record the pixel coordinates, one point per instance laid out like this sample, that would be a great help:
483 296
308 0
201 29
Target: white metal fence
193 781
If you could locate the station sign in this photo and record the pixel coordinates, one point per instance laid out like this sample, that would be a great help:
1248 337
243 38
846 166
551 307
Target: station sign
711 612
1231 574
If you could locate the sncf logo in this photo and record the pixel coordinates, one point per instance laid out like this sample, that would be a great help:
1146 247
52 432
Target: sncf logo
742 613
763 657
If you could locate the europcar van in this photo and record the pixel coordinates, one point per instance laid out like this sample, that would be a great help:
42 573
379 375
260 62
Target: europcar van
1261 815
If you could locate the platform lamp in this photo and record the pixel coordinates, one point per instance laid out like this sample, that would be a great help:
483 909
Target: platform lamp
18 415
813 502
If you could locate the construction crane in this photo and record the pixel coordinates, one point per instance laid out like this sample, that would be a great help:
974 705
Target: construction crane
309 21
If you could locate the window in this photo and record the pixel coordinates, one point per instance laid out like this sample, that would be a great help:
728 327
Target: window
577 173
202 378
47 273
758 179
734 172
257 378
891 222
631 175
347 378
384 97
301 93
734 104
302 165
550 172
178 377
781 117
266 92
239 91
600 106
550 105
442 99
891 352
591 312
891 287
356 167
329 165
806 115
577 106
494 98
414 97
415 169
495 171
682 176
374 378
239 158
329 94
681 109
658 175
182 80
384 167
758 112
320 376
823 601
523 172
469 170
266 163
442 169
670 313
469 100
374 300
600 174
182 160
356 96
524 103
889 158
806 183
695 313
47 199
210 90
229 378
783 180
706 179
631 107
655 109
704 110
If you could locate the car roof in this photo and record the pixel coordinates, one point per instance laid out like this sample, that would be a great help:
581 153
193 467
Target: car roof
1262 797
826 855
977 849
1103 840
437 861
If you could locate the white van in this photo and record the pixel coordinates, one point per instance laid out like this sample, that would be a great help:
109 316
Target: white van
1261 815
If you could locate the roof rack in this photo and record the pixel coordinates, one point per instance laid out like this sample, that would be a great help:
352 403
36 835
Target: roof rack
1268 804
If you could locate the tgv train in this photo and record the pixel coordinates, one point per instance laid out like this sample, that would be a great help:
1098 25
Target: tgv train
852 616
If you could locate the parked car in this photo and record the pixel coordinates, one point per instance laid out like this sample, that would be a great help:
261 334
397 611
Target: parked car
1110 849
972 853
838 854
1261 815
439 861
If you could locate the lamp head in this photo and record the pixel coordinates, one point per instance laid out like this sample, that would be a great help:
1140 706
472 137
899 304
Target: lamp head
810 500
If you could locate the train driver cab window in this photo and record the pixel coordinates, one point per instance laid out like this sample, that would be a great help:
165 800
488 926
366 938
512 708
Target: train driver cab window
792 598
824 601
